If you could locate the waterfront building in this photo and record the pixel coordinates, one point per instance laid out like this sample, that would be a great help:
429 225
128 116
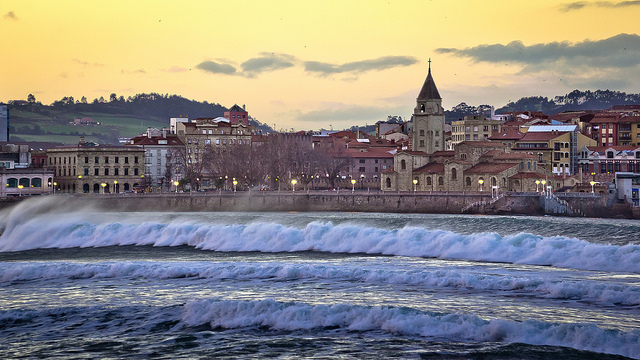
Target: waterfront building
162 158
473 128
92 168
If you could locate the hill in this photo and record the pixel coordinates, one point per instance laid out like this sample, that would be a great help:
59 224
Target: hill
117 118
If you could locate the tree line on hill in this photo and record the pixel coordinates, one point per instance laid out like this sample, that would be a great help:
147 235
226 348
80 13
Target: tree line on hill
575 100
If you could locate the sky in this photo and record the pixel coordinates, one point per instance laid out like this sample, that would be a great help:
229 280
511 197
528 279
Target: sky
307 65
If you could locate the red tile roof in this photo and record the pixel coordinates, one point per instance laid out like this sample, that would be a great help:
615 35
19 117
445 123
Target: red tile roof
508 133
541 136
431 168
489 168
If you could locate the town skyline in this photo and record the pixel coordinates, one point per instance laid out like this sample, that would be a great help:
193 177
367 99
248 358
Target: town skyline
331 64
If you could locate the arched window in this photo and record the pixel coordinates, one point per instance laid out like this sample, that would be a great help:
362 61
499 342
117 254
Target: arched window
454 174
126 187
403 165
85 188
24 182
421 132
388 182
468 181
421 107
96 188
36 182
429 181
12 182
494 181
441 181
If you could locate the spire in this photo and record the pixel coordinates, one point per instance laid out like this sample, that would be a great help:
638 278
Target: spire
429 89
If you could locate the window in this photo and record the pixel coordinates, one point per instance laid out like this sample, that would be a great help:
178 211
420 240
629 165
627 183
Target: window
429 181
96 171
135 171
437 132
454 174
106 172
217 141
609 154
467 181
361 169
361 161
126 159
86 171
126 171
116 159
403 164
421 132
440 181
207 141
106 159
421 143
204 132
86 159
485 128
210 131
97 160
475 128
116 171
135 160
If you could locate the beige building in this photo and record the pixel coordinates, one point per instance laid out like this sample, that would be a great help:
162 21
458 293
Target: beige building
201 133
90 168
473 128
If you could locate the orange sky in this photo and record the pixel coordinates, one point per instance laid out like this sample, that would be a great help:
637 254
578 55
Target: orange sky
316 64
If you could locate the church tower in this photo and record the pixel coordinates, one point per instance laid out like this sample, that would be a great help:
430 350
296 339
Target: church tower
428 118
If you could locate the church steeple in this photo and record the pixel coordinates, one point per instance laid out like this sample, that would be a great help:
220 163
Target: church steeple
429 89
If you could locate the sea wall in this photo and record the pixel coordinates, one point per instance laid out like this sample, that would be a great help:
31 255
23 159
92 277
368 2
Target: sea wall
591 205
572 204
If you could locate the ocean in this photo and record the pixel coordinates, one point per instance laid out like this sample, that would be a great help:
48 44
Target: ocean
80 283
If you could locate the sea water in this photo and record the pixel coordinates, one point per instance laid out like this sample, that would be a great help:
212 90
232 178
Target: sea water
84 283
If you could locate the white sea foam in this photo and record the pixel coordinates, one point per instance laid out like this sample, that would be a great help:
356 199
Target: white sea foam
54 231
551 286
454 327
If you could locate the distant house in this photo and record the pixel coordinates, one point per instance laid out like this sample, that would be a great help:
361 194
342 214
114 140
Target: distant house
84 121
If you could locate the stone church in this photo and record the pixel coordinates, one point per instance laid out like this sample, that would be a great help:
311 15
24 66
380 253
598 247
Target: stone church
472 166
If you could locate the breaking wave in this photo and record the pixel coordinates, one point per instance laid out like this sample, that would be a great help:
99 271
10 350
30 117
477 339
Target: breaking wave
607 293
49 231
405 321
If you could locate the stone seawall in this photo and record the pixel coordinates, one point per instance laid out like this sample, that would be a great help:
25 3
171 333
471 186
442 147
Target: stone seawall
437 203
575 204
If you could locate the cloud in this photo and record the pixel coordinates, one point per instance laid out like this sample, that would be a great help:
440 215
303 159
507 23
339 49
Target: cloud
216 68
266 63
577 5
10 16
86 63
620 51
356 67
127 72
175 69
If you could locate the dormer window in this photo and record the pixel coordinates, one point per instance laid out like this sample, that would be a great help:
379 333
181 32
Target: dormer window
609 154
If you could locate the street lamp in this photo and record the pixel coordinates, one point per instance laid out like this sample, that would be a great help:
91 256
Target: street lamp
592 184
235 182
537 183
115 186
415 183
480 182
353 185
55 185
20 187
176 183
293 184
103 186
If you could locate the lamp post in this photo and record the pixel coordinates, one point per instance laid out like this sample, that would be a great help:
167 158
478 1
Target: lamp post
103 186
176 183
480 182
353 185
537 183
115 186
592 184
55 185
235 183
293 184
415 183
20 187
543 182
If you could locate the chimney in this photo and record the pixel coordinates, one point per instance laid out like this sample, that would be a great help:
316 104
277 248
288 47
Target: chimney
149 132
164 133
